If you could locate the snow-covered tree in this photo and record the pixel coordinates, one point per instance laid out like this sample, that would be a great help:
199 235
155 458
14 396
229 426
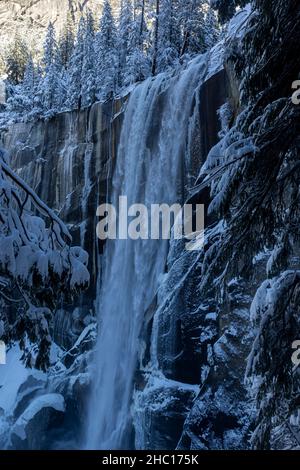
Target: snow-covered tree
106 54
254 177
88 80
66 42
169 37
29 82
16 59
151 37
155 37
52 86
193 26
50 48
140 20
38 267
125 38
74 85
24 97
138 63
212 31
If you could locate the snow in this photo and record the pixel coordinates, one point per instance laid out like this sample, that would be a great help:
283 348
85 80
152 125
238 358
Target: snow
80 274
28 255
86 332
12 376
260 257
109 60
235 29
215 59
51 400
265 308
237 24
158 380
260 301
222 165
275 256
211 316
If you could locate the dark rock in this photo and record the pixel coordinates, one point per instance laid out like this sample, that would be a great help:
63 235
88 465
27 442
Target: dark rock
35 427
69 160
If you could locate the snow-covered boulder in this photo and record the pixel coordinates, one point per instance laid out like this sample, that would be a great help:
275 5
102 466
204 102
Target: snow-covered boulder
31 429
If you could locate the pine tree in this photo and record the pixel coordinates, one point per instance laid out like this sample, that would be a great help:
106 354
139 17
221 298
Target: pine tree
66 42
125 36
106 55
35 258
25 97
50 48
16 59
29 88
156 37
29 78
212 31
22 97
193 27
88 86
151 37
169 35
75 70
138 63
52 86
140 20
260 152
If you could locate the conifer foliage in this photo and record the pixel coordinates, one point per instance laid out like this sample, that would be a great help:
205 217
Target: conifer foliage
38 267
104 57
254 177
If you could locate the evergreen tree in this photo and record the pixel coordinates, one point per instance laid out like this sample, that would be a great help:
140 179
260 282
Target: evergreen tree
212 31
125 36
16 59
156 37
66 42
50 48
151 37
106 55
169 35
25 97
36 259
51 87
193 26
140 20
75 69
29 88
138 63
88 86
254 176
29 81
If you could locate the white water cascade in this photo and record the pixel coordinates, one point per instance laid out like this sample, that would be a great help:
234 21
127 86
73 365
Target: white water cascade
149 169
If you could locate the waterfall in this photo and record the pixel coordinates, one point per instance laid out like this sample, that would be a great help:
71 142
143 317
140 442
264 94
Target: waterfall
149 169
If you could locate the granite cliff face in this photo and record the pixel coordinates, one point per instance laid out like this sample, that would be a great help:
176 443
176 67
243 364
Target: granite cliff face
30 18
69 161
189 390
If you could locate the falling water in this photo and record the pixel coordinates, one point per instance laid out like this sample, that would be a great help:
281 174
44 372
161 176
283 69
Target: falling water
149 169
